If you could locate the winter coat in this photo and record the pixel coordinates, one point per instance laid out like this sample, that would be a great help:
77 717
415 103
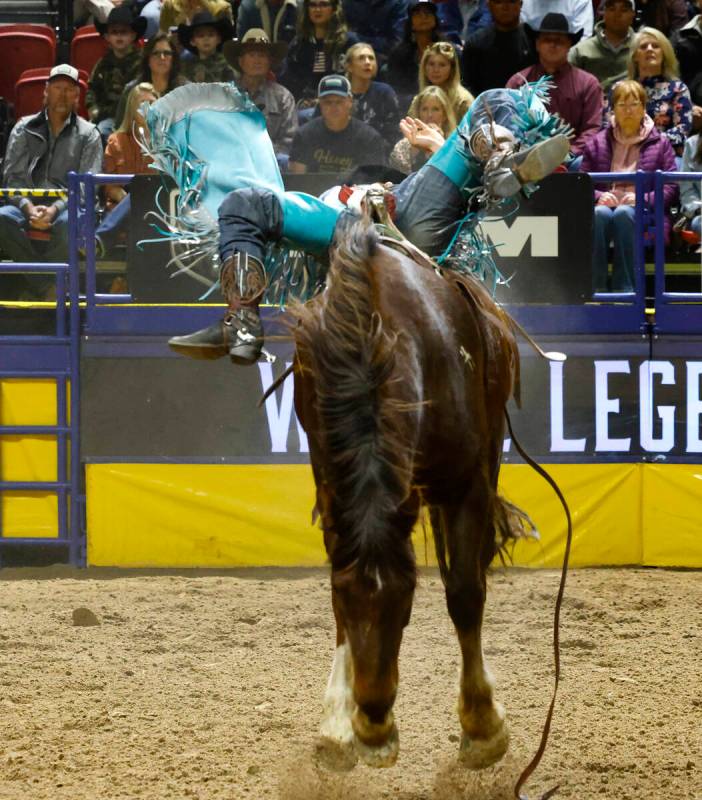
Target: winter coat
256 14
688 48
690 190
380 23
656 153
299 76
665 15
600 58
29 164
106 83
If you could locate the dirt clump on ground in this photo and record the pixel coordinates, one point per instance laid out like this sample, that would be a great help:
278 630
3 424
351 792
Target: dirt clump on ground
198 685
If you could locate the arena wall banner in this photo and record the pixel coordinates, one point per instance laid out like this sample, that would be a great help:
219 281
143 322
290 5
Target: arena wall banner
549 240
184 470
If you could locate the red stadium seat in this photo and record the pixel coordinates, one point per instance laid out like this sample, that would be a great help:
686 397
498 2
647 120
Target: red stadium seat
87 48
29 91
30 27
22 50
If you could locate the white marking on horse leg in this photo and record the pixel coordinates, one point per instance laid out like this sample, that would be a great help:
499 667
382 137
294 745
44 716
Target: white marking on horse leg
336 747
338 698
482 753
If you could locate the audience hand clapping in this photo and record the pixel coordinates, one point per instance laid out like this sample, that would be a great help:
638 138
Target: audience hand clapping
419 134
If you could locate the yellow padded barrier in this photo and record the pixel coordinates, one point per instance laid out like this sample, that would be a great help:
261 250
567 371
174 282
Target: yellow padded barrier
173 515
28 401
672 534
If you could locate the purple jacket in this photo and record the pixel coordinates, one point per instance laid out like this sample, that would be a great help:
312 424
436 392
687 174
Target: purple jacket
656 153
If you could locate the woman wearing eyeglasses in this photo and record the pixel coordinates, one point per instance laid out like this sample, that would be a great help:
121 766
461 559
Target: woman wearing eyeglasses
630 142
318 48
160 66
439 67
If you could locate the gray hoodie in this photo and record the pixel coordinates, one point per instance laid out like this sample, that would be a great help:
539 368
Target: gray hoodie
599 57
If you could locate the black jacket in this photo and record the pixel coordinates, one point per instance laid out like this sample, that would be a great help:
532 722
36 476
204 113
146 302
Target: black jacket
491 57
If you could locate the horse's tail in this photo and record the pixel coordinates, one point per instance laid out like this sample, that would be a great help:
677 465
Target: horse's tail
343 342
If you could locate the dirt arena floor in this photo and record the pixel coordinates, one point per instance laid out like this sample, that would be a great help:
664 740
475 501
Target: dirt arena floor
209 686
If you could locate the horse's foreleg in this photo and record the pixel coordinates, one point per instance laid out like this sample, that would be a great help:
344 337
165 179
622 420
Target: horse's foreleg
465 526
336 744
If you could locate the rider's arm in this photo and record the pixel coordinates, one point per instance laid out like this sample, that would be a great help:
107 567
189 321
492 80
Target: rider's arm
296 167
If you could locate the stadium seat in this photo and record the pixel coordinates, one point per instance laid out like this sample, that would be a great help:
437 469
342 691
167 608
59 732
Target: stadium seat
22 50
29 91
87 48
30 27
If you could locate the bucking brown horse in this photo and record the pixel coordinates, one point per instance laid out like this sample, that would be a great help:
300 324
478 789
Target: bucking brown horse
401 380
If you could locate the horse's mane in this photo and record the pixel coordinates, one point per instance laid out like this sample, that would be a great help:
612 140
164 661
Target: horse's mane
342 340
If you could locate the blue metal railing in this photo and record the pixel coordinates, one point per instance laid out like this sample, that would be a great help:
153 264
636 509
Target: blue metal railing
57 357
53 357
676 312
604 312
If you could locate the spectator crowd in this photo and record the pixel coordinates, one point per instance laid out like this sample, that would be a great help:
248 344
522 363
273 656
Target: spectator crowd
349 83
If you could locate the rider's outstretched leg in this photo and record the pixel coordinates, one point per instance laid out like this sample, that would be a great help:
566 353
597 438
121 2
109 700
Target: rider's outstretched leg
248 218
506 167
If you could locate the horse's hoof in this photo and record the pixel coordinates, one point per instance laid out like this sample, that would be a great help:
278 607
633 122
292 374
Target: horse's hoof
483 753
384 755
334 755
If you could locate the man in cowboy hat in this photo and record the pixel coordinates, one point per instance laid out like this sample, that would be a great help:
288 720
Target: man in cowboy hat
578 12
576 95
254 57
116 68
204 38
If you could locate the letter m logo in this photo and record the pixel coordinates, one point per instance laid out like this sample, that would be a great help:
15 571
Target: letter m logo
509 240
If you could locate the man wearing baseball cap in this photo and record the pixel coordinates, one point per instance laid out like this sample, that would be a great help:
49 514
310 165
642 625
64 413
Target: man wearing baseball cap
335 141
605 54
43 148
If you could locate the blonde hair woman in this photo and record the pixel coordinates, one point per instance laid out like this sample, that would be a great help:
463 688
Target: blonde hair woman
653 64
429 121
374 102
123 156
439 67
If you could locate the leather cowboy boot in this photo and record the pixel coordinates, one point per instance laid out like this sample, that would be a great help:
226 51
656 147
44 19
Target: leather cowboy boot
240 333
506 168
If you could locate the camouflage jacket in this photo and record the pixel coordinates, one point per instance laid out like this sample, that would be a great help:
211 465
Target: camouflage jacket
213 69
107 81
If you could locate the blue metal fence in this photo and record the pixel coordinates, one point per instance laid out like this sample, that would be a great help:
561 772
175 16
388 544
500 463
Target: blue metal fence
676 312
57 357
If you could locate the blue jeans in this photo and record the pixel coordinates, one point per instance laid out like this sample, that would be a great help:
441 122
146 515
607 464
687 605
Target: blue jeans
615 226
427 224
16 245
695 224
114 223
